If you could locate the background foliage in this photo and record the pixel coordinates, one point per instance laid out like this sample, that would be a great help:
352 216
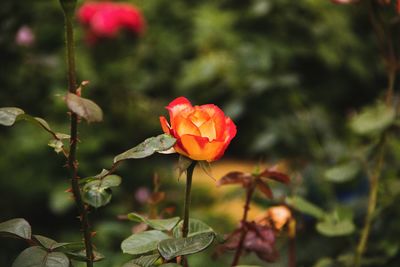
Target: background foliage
289 73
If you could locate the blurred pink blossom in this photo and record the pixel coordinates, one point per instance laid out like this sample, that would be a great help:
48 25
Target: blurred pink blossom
344 1
25 36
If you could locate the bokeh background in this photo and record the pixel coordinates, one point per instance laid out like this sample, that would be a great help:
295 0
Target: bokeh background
289 73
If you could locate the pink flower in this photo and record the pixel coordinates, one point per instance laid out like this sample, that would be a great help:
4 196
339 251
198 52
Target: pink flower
107 19
343 2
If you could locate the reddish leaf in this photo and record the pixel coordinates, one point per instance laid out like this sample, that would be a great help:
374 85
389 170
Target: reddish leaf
235 178
276 176
261 240
264 188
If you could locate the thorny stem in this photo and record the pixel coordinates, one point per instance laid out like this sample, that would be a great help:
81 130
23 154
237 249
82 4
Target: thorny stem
185 227
238 253
72 161
372 199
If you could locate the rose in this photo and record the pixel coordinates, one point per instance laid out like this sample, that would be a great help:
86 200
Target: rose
106 19
202 132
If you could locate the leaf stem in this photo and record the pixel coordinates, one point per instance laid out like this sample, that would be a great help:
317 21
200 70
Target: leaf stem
68 8
372 199
249 195
185 227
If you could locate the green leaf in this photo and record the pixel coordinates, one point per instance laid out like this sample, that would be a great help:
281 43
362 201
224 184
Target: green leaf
17 228
53 245
147 148
56 144
157 224
9 115
45 241
173 247
143 261
38 257
305 206
142 242
342 173
195 227
84 108
97 193
170 265
81 255
72 247
373 119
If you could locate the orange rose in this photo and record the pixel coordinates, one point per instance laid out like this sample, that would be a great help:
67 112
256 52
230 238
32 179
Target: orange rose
202 132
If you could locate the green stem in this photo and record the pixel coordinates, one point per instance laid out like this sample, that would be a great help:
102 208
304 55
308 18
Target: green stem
372 199
72 160
185 227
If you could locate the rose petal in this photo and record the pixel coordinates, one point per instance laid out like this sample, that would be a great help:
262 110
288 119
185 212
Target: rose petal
230 132
176 106
165 125
184 126
199 148
199 116
218 116
207 129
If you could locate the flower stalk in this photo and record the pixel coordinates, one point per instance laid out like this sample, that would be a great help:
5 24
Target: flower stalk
186 208
68 7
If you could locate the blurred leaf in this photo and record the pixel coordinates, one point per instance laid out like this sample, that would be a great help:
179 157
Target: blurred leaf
305 206
84 108
343 172
97 193
157 224
264 188
147 148
325 262
337 223
16 227
170 265
235 178
9 115
38 257
60 200
171 248
143 261
142 242
276 176
332 228
373 119
195 227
